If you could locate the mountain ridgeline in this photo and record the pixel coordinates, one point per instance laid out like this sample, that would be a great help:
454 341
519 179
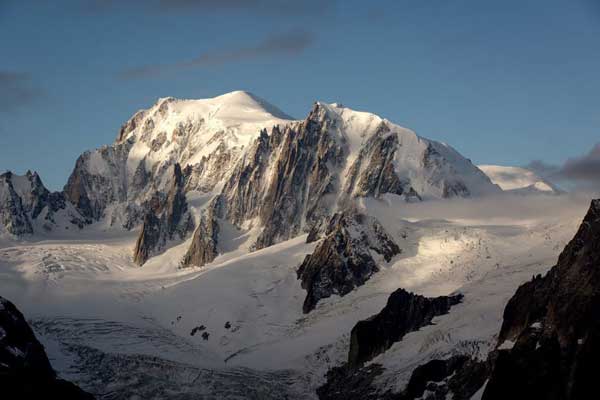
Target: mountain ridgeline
263 171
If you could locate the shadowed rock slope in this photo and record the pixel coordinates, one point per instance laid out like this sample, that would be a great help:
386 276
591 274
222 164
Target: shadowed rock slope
404 312
549 344
25 372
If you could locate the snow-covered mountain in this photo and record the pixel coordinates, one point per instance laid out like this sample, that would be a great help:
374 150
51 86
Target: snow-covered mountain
518 180
270 174
273 250
265 172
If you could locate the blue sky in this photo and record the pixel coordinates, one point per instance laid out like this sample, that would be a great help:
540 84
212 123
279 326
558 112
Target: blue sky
503 82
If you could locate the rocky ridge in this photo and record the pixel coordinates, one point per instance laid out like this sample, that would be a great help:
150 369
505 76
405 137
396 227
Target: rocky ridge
550 337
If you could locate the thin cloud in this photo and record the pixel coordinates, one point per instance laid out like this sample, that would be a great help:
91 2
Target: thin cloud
287 8
17 91
583 169
287 44
581 172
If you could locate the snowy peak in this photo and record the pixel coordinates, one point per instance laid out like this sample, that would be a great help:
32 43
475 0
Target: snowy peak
235 109
518 180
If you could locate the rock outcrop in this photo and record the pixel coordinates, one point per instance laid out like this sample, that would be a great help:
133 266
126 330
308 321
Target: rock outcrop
204 249
25 201
404 312
25 371
165 220
345 258
458 377
549 342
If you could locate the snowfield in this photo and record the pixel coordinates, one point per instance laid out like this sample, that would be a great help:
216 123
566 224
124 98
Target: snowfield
120 330
518 180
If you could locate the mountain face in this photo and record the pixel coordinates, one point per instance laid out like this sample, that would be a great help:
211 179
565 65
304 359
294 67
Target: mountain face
25 202
265 172
549 342
203 136
518 180
292 179
25 372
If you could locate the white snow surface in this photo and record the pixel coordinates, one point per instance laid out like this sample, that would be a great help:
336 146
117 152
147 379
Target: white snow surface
83 292
236 117
518 179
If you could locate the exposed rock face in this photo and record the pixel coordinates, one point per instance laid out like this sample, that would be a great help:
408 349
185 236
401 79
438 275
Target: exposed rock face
287 179
549 343
346 382
25 372
25 200
345 258
97 180
12 211
373 172
458 377
165 220
404 312
204 242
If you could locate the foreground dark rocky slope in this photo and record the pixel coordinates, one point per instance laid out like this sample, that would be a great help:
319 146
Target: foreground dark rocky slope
547 347
404 312
25 372
549 344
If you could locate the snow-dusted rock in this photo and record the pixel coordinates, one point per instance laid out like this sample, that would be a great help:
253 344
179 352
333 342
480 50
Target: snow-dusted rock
204 136
293 178
204 241
25 204
345 258
166 218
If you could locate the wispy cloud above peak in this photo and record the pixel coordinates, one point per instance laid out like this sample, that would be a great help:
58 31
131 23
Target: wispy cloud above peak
581 172
17 90
286 44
